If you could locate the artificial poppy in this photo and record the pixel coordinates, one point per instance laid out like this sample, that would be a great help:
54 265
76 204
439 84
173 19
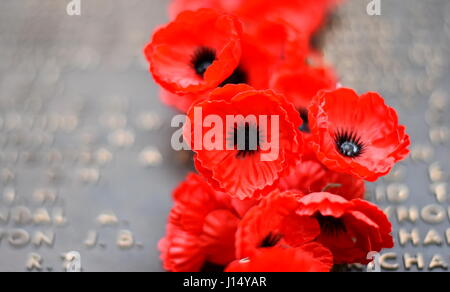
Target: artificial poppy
280 39
201 228
350 229
358 135
181 251
256 66
182 103
312 257
306 15
300 80
254 142
311 176
184 61
274 223
300 77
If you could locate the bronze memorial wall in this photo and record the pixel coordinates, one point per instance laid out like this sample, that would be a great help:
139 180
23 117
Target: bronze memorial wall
85 157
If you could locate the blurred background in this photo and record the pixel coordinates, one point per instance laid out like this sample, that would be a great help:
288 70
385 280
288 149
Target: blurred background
85 157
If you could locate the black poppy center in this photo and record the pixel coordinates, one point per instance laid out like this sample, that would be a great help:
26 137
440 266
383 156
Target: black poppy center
270 240
246 139
349 144
238 77
202 59
304 115
331 225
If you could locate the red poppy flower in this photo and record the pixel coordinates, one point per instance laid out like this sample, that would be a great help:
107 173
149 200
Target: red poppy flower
306 15
312 257
243 158
180 102
300 81
311 176
270 32
201 229
274 223
302 75
184 61
350 229
256 65
356 135
279 38
255 68
181 251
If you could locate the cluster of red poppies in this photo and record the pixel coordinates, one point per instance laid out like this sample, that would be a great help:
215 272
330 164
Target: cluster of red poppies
304 210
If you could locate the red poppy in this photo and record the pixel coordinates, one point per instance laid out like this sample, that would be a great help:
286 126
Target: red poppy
350 229
279 38
306 15
184 61
270 31
356 135
244 159
201 229
181 251
255 68
311 176
274 223
312 257
300 79
256 65
180 102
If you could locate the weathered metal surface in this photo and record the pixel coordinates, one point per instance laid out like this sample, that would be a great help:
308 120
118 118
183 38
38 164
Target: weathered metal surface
85 157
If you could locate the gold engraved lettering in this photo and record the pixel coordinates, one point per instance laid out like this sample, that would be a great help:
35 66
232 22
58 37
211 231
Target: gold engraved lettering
125 239
34 262
411 261
41 238
410 214
437 262
388 261
397 193
405 237
433 238
433 214
41 216
19 238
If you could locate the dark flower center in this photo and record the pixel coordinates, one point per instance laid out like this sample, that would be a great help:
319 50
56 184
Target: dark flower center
331 225
304 115
349 144
246 139
270 240
238 77
202 59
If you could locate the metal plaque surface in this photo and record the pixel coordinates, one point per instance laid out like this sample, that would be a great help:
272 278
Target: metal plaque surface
86 167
